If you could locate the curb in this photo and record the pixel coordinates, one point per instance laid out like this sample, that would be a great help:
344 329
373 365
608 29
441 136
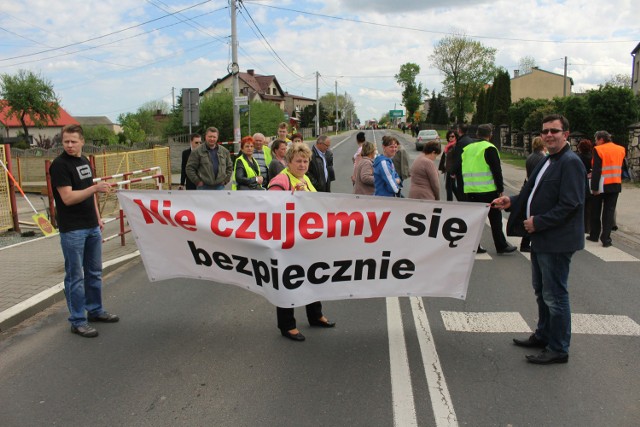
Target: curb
25 309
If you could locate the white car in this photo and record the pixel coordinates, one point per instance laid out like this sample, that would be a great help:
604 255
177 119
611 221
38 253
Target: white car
425 136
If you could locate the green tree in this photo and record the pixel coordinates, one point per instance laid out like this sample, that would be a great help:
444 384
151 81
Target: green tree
442 118
265 117
100 135
498 112
346 106
468 66
412 91
520 111
481 108
217 110
613 109
29 96
576 110
131 130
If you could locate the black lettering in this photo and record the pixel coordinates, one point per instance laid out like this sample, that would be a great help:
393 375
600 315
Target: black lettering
402 265
371 269
453 230
435 222
200 256
290 276
242 263
274 273
222 260
413 220
311 274
261 271
384 264
343 266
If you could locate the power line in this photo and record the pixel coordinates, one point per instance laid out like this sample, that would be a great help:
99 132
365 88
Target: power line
101 36
358 21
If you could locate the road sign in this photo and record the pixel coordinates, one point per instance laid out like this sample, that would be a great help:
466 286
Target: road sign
394 114
190 107
243 108
242 100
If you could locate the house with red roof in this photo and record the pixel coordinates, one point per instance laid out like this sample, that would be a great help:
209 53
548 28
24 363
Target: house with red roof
11 126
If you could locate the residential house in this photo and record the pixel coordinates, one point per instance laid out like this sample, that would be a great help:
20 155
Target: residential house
11 126
259 88
635 70
95 121
539 84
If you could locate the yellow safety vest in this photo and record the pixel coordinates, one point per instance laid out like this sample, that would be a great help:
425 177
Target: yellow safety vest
476 173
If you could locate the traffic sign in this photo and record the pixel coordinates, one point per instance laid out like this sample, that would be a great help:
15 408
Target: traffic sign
394 114
242 100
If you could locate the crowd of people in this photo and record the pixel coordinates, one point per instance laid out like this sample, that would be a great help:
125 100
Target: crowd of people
554 209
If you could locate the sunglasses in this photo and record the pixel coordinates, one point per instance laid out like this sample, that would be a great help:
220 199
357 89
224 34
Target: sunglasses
552 130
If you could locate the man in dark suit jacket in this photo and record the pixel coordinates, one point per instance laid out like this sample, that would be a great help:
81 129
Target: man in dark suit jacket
550 208
185 182
321 171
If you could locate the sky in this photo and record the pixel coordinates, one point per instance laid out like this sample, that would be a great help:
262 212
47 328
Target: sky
107 57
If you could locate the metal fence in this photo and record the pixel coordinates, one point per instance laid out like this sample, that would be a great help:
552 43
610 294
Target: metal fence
6 221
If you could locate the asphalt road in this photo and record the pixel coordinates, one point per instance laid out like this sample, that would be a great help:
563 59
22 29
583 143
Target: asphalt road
194 353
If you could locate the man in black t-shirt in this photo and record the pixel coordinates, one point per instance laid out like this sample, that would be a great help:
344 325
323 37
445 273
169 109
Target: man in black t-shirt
80 228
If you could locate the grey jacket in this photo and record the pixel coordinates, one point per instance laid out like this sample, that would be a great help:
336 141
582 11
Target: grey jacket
200 169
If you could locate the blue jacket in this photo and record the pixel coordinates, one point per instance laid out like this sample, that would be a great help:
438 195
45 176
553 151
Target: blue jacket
557 206
384 177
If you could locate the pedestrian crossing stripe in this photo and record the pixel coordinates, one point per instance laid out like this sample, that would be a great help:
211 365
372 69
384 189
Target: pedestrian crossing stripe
499 322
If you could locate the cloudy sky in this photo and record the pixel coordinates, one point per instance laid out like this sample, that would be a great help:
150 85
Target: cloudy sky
106 57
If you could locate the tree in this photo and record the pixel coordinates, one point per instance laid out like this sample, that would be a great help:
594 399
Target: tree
613 109
100 135
520 111
468 66
265 117
498 112
29 96
412 92
346 106
156 106
131 129
526 64
619 80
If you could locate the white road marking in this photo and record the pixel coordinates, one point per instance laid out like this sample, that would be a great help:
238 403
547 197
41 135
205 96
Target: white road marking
404 411
484 322
603 324
588 324
610 254
441 402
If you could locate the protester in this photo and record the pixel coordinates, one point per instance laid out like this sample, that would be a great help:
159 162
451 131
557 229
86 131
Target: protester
210 166
80 229
446 165
246 170
549 208
425 183
363 175
606 185
456 158
294 178
401 163
538 153
282 132
185 182
262 154
296 138
482 181
360 138
278 162
321 171
386 180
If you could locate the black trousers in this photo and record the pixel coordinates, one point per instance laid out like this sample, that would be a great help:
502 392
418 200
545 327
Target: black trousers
286 320
603 210
495 217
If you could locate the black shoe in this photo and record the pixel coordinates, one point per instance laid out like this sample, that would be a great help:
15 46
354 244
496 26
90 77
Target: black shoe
104 317
607 244
86 331
532 341
547 357
592 239
322 324
525 249
507 250
295 337
481 250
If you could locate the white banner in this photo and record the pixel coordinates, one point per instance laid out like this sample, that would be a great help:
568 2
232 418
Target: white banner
294 249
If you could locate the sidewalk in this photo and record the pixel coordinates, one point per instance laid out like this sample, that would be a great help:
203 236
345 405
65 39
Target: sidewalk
32 272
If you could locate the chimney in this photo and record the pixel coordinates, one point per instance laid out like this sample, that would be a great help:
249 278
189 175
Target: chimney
516 73
250 72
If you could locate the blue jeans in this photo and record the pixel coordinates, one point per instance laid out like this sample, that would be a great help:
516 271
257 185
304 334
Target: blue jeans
82 250
211 187
550 274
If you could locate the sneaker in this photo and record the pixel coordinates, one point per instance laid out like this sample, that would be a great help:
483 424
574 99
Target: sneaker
86 331
104 317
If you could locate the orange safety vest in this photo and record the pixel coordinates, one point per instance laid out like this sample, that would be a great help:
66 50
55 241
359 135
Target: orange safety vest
612 156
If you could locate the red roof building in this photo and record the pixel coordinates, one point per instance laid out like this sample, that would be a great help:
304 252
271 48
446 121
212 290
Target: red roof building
11 126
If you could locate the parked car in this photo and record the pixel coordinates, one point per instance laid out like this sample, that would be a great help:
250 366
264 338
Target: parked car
425 136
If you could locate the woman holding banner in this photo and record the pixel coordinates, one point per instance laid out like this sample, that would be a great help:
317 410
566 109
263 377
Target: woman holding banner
294 178
246 171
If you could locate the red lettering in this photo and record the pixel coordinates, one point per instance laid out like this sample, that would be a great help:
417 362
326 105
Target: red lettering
184 218
309 222
215 224
243 230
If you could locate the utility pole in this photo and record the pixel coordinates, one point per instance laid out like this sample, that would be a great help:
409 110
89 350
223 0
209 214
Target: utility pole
317 105
173 98
234 71
336 107
564 87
